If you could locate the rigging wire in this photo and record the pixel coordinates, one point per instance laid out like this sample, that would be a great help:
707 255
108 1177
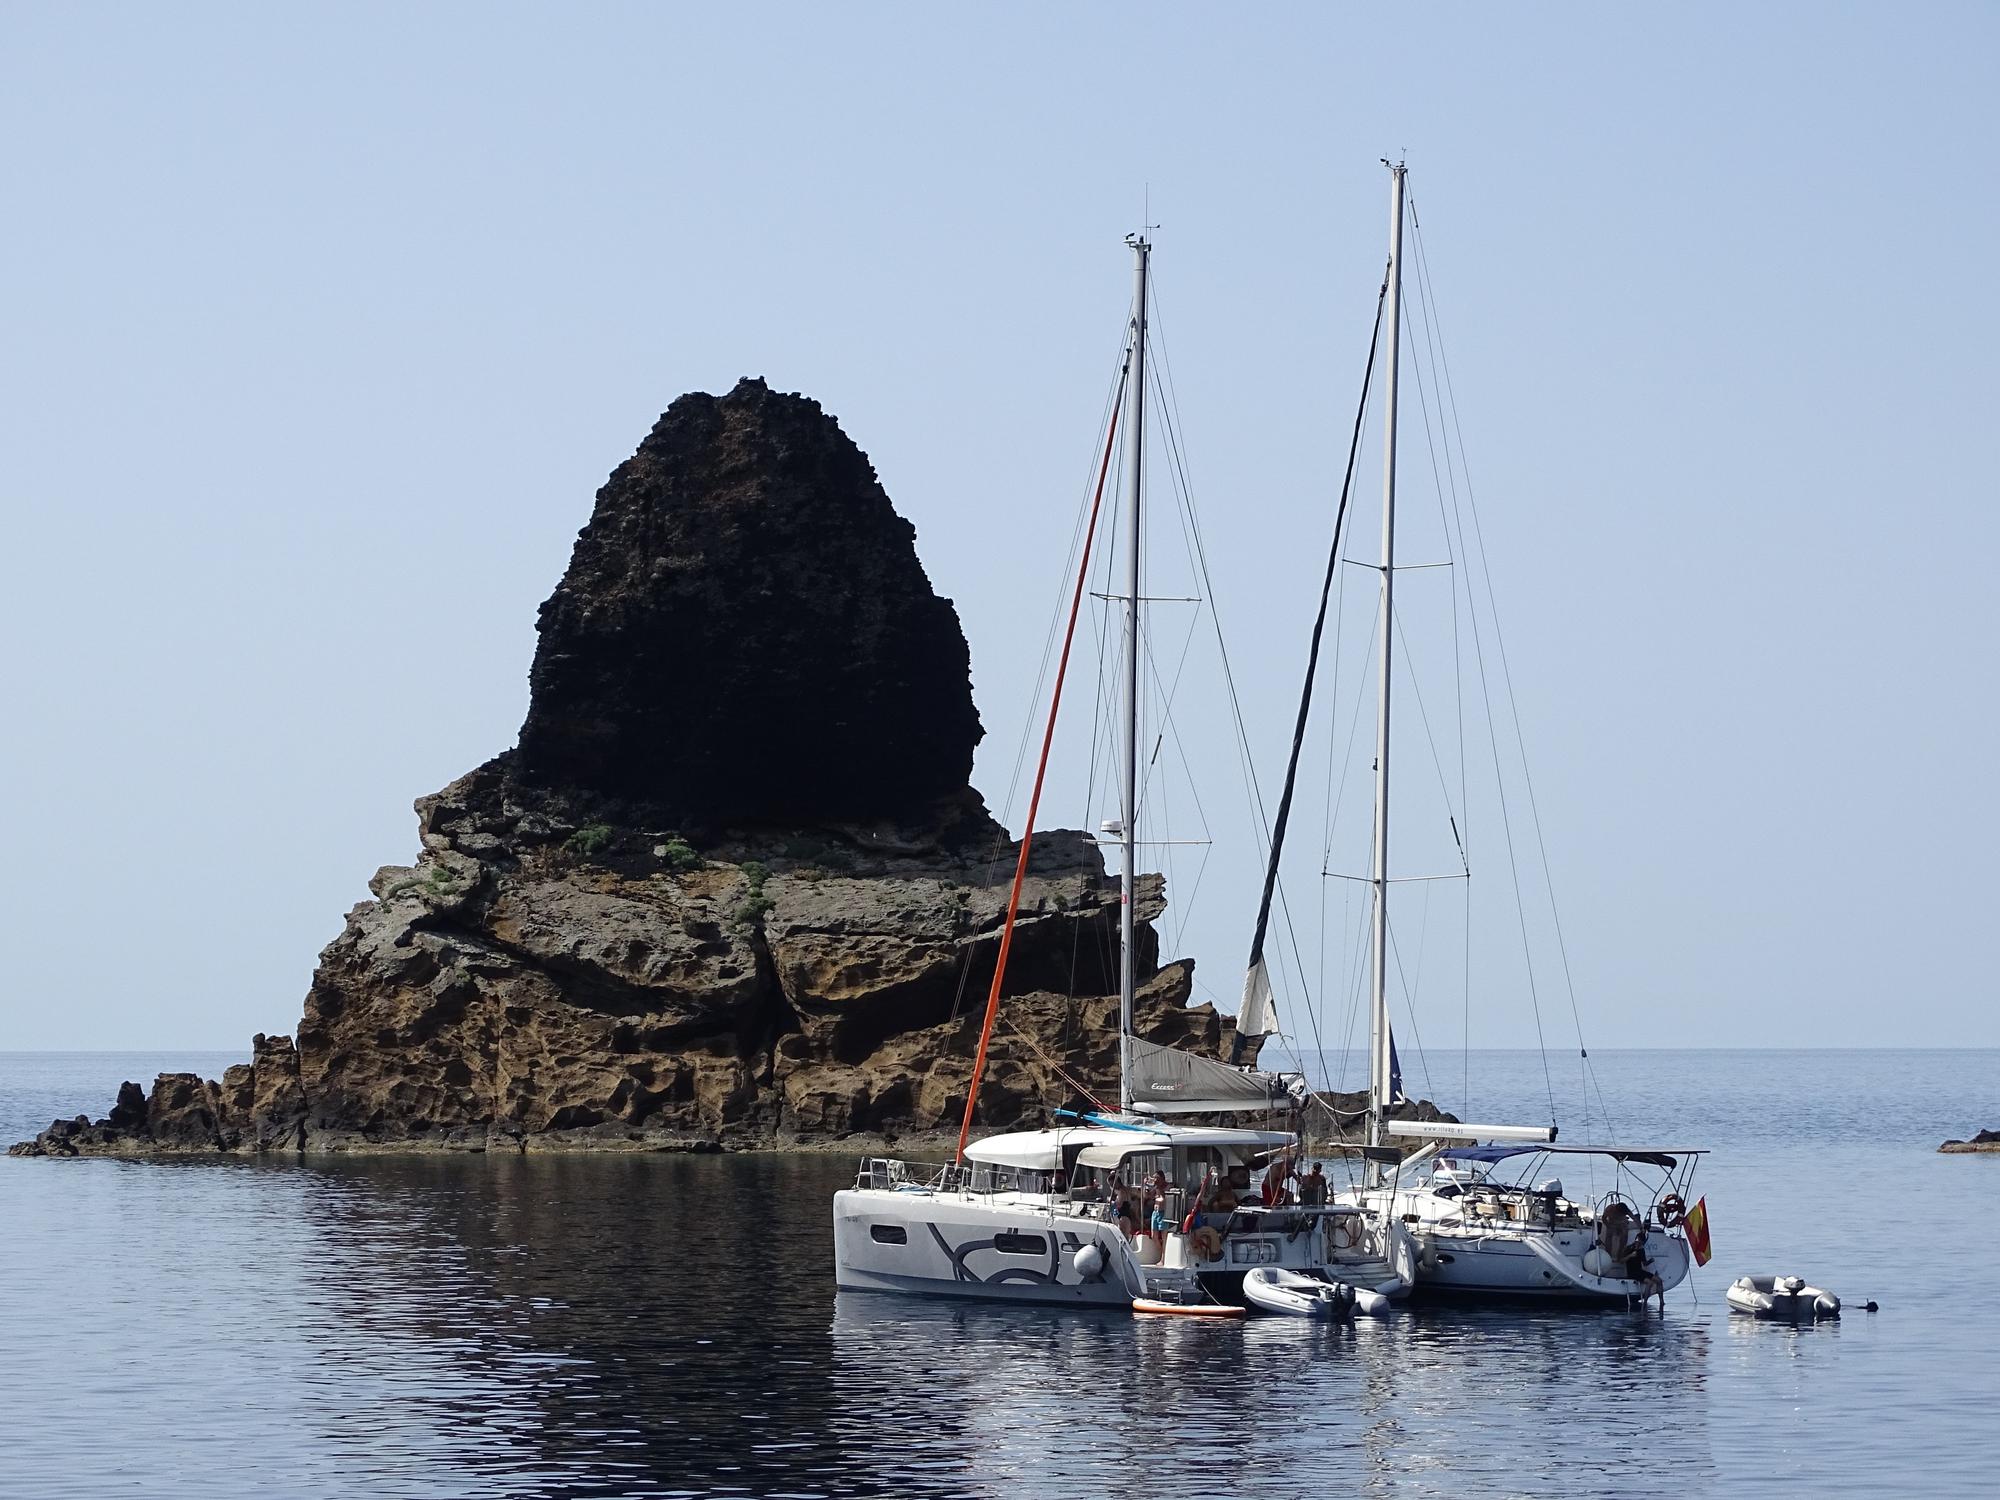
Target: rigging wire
1102 746
1428 296
1172 727
1506 819
1347 765
1170 422
1409 998
1104 425
1312 669
1107 426
1041 771
1352 923
1416 690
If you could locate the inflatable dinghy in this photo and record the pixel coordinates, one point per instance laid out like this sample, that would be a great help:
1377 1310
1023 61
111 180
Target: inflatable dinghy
1780 1297
1272 1289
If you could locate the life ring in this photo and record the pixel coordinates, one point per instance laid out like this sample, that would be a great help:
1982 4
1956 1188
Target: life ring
1672 1211
1206 1242
1345 1231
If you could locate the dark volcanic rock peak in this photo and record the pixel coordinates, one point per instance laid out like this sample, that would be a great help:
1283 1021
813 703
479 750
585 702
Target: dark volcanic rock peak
745 634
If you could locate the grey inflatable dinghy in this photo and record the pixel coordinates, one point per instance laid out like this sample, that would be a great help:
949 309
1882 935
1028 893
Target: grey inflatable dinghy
1780 1297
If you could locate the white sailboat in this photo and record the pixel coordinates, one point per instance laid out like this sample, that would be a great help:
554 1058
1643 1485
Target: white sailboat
1034 1215
1485 1221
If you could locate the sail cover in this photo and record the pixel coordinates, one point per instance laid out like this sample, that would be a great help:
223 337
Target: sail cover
1167 1080
1253 1016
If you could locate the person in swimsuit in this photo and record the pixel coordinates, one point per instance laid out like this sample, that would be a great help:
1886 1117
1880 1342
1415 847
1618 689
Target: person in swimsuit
1637 1270
1312 1188
1124 1211
1278 1183
1156 1209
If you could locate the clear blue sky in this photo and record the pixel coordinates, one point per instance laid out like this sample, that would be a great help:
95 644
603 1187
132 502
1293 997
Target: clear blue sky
323 324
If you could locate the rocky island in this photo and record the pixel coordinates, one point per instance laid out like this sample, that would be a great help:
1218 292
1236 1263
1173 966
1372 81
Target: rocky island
1986 1140
731 890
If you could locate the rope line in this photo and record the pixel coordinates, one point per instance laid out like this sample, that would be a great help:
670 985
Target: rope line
1035 798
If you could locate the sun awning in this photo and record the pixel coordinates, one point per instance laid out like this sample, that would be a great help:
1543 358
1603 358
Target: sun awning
1036 1150
1110 1154
1663 1157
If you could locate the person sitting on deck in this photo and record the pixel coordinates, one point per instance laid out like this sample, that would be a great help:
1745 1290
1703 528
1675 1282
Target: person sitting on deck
1638 1268
1124 1210
1230 1191
1278 1183
1312 1188
1614 1230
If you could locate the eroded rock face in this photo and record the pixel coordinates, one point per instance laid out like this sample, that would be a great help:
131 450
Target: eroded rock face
532 995
745 632
731 890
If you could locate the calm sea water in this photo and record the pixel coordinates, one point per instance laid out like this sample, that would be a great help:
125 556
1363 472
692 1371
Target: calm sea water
541 1327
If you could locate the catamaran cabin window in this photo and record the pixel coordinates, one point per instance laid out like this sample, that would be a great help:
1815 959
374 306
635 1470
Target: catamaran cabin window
889 1234
1014 1242
988 1177
1204 1161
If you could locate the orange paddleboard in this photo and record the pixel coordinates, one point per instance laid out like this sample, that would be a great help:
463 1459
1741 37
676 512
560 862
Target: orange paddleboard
1186 1309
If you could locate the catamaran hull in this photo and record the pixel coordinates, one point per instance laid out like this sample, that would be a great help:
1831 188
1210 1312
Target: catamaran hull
942 1245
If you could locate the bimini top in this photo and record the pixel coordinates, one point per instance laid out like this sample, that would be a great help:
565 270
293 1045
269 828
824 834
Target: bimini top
1106 1145
1652 1156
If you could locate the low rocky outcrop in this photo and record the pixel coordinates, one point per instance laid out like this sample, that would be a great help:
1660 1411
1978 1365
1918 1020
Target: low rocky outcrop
732 888
1986 1140
582 986
258 1106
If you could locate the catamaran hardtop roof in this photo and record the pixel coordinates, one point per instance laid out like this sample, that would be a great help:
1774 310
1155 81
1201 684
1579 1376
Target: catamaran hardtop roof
1041 1150
1652 1156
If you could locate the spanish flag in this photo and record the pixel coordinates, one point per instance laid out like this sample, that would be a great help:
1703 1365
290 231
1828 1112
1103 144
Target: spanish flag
1697 1231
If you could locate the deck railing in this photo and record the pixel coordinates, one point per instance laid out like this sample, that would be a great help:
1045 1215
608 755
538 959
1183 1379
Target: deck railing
892 1174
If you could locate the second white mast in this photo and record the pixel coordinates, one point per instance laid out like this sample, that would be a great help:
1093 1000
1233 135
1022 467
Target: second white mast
1128 801
1380 1068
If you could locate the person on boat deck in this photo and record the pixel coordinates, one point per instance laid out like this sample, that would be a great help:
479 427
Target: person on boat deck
1638 1267
1312 1187
1126 1216
1278 1184
1154 1202
1229 1192
1124 1209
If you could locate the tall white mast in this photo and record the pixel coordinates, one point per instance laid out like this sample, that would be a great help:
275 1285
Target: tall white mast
1378 1010
1128 799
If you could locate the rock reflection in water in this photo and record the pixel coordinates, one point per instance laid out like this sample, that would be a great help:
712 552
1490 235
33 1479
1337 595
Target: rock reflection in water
664 1319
